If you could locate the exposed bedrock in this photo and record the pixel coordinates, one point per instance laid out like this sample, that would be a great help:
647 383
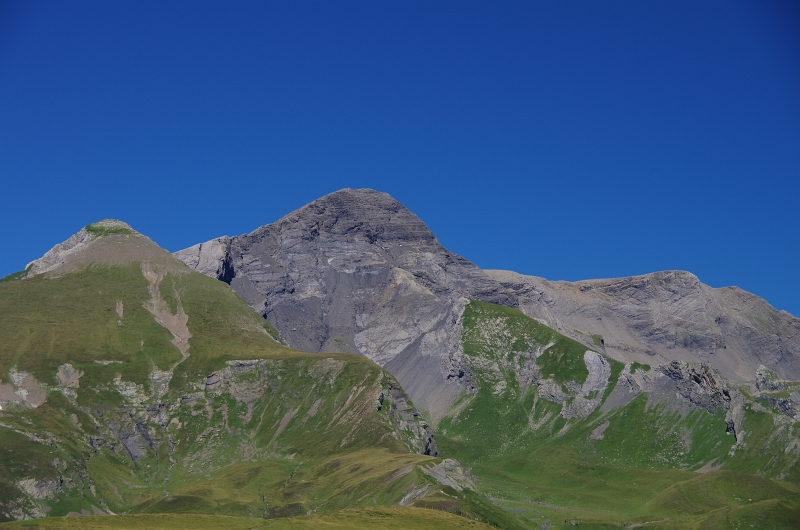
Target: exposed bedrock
355 271
665 316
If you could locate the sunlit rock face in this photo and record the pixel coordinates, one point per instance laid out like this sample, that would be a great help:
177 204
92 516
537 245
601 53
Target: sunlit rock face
663 317
356 271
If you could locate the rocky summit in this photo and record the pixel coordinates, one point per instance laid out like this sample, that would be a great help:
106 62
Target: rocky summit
355 271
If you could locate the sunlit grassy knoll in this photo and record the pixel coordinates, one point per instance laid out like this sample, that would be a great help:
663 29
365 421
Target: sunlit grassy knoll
45 322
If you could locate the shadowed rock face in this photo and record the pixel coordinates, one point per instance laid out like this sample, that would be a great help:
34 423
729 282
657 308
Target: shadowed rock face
356 271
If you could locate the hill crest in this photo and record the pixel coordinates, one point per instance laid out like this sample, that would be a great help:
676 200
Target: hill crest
106 242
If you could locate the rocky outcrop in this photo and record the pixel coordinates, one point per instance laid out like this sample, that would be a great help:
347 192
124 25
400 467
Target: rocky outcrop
700 384
662 317
24 391
767 380
69 379
705 387
591 393
212 258
450 473
407 419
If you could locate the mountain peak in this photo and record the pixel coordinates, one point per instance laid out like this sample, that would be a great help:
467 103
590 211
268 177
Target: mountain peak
355 214
108 242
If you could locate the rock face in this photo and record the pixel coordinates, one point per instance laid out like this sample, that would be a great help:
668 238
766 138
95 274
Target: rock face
356 271
663 317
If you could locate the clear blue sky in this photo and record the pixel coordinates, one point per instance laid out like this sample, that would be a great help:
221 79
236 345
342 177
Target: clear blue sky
563 139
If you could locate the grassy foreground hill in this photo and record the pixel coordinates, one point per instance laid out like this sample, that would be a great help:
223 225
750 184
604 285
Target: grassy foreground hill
130 384
372 518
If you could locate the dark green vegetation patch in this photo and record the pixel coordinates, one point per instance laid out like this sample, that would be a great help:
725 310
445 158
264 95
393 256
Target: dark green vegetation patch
99 229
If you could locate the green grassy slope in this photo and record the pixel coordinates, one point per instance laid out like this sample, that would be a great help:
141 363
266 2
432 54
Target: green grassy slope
50 321
547 469
107 407
372 518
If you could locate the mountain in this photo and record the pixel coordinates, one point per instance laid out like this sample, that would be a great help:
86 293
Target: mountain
356 271
130 384
609 401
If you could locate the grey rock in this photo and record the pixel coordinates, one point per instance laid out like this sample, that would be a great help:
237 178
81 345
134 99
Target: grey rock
591 392
406 418
665 316
767 380
355 271
450 473
211 258
700 384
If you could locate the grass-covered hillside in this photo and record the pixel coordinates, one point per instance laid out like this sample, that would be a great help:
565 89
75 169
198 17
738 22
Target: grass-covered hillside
557 434
369 518
131 385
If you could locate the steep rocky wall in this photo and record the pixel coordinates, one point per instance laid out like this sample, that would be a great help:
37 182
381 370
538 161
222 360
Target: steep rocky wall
356 271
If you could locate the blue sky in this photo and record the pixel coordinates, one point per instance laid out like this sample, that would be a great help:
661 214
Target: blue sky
568 140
